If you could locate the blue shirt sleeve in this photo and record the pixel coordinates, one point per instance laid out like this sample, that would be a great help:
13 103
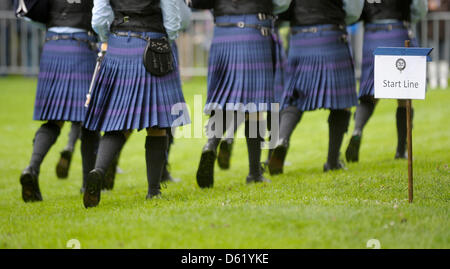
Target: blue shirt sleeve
353 10
185 13
419 9
280 6
171 17
102 17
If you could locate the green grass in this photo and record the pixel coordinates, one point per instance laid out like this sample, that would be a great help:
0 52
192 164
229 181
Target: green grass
304 208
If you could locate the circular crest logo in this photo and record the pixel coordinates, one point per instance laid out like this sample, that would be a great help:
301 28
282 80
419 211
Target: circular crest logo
400 64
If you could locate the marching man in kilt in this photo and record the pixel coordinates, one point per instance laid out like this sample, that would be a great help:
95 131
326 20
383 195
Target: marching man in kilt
387 24
131 93
320 73
226 145
66 67
241 77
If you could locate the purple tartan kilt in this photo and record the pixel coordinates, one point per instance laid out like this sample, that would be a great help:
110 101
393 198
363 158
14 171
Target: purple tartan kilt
280 72
66 68
127 97
372 40
320 72
242 67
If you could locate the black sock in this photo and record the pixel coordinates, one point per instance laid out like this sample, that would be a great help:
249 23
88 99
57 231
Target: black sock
213 142
215 137
89 146
232 124
110 145
269 154
274 133
338 122
269 129
401 128
166 164
363 113
254 148
155 157
44 139
74 134
290 117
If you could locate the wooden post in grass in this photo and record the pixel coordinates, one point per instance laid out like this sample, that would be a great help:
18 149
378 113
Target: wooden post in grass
400 73
409 139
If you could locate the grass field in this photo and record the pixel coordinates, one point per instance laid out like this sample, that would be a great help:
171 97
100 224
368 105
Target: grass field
304 208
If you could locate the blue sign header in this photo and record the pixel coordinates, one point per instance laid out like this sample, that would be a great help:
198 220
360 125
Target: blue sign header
401 51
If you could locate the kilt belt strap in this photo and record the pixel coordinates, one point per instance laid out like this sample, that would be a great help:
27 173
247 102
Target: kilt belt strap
263 17
265 31
92 45
315 29
388 27
126 34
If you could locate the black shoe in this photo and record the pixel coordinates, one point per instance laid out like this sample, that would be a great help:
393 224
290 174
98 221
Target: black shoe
276 161
205 172
257 179
400 156
91 197
153 194
62 168
223 158
339 166
30 186
110 175
352 152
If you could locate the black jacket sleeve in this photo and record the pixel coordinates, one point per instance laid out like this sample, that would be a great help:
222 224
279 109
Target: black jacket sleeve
202 4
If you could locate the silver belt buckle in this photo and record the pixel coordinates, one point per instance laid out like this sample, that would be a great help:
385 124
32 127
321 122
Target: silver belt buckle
262 16
264 31
313 29
241 24
406 24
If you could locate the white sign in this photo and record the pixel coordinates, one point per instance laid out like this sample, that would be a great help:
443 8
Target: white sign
400 77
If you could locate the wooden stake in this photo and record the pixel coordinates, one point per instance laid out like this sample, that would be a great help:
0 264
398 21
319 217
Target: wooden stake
410 157
409 139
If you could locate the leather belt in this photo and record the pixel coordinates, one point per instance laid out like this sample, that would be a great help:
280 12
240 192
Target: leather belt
126 34
92 45
387 27
265 31
315 29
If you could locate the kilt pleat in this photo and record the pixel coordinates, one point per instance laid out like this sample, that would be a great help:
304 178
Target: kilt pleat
320 72
66 68
127 97
242 66
372 40
280 69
